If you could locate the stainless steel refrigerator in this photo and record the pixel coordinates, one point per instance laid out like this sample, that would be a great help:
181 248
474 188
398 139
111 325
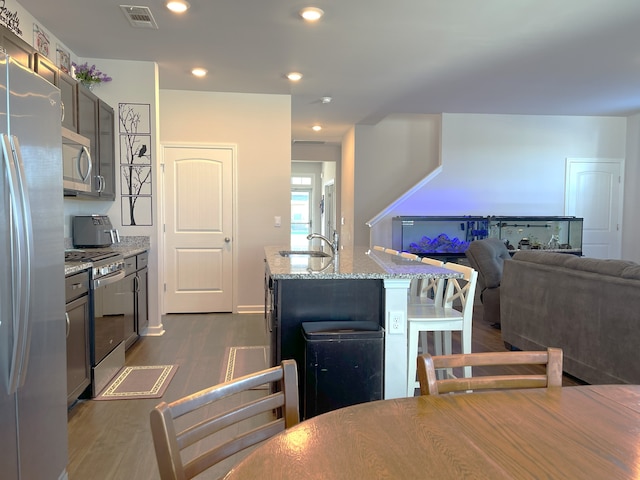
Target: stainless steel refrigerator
33 409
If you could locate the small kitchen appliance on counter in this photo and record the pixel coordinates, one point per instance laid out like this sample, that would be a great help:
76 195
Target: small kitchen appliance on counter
94 231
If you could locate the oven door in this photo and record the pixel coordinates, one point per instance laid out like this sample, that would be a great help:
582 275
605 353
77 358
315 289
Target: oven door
108 317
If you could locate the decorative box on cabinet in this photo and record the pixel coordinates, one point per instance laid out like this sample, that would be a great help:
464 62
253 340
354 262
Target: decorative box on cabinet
437 236
557 234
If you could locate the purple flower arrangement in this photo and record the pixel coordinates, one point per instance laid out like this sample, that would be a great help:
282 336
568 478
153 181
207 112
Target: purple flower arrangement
89 75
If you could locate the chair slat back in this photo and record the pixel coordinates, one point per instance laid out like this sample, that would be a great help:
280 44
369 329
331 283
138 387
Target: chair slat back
461 289
169 442
430 385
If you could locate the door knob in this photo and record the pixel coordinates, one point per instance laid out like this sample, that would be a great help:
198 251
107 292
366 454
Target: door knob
227 239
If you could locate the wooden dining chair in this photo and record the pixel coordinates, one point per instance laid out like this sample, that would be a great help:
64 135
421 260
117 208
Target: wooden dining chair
205 413
430 385
453 313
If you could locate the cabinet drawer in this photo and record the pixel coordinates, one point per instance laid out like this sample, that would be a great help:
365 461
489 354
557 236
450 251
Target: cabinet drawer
76 285
129 265
143 260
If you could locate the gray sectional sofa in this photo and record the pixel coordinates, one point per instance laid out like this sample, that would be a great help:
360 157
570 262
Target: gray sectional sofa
590 308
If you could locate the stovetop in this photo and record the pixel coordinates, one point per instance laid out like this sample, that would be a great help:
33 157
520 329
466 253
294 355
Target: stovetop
77 255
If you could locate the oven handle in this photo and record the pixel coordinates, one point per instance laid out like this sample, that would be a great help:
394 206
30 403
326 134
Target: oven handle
108 280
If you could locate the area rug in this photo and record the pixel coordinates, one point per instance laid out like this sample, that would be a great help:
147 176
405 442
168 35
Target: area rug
244 360
139 382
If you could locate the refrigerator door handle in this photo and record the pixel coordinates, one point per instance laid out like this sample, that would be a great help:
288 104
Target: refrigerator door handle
22 245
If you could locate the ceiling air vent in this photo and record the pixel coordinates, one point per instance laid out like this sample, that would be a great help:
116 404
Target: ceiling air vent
308 142
139 17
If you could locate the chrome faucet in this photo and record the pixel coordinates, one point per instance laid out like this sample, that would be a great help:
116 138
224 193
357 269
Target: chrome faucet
335 247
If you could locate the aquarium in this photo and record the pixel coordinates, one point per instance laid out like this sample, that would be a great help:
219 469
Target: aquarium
437 236
558 234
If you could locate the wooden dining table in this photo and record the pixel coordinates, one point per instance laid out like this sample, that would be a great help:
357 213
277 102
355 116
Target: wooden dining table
580 432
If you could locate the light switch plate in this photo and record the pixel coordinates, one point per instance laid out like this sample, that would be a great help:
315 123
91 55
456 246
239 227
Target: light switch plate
277 221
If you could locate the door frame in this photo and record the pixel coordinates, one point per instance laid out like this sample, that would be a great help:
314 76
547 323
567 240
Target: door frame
330 183
162 213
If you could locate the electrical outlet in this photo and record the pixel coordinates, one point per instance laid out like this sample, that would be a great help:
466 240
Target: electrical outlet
396 321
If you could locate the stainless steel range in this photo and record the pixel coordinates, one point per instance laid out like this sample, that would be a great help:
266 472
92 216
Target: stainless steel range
107 328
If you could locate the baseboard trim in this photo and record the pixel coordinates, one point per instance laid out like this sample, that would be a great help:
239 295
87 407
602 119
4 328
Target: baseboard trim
250 309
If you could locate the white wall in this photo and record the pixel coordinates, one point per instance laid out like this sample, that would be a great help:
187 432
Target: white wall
346 217
260 126
390 158
504 165
315 152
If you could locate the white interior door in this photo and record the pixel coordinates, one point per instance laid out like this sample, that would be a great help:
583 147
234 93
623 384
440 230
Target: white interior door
594 192
198 229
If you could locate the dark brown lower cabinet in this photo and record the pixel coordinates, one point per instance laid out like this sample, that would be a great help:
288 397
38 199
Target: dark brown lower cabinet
78 318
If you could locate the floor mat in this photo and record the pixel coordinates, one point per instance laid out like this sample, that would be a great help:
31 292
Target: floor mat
244 360
139 382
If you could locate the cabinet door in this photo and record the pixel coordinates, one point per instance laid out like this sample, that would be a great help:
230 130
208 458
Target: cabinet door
46 69
78 366
88 127
142 300
127 308
106 151
69 95
13 45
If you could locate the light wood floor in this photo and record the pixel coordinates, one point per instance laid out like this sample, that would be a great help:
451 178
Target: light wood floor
111 440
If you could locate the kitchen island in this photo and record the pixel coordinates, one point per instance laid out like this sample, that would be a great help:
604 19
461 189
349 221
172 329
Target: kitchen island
358 284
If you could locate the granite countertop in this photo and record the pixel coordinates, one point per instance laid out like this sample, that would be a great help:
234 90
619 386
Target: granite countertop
127 249
355 263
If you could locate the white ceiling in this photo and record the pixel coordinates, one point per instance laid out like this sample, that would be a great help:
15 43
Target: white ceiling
379 57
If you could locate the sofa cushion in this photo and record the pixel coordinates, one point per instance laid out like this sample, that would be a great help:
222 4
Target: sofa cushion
612 268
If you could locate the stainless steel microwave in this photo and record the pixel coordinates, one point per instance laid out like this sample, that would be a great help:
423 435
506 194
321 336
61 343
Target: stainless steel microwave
76 161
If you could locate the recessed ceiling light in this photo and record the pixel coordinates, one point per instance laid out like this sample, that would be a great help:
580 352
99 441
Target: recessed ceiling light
294 76
199 72
316 128
311 14
178 6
